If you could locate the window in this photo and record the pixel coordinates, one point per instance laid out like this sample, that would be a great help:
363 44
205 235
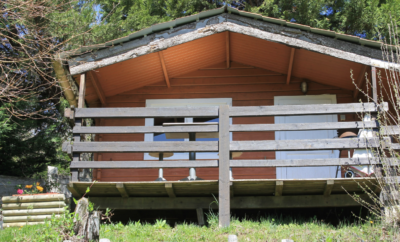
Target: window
178 137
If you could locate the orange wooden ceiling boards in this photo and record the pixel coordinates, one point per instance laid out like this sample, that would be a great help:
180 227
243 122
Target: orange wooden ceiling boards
209 54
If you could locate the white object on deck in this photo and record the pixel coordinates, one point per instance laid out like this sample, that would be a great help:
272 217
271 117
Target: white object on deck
364 153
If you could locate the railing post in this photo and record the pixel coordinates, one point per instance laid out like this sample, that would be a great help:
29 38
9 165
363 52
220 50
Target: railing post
224 178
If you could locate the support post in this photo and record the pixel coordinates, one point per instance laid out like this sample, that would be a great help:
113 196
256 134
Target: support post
279 188
328 187
374 87
169 187
122 190
224 181
200 216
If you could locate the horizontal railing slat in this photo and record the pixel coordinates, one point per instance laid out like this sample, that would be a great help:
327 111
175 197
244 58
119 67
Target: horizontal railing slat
312 109
163 112
390 130
143 129
395 146
310 144
162 146
143 164
304 162
302 126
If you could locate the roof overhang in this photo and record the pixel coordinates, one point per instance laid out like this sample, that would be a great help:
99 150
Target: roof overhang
299 36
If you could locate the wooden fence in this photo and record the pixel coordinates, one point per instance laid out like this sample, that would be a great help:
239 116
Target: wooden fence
224 146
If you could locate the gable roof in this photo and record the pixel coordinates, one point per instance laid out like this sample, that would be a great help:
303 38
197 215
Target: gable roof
165 35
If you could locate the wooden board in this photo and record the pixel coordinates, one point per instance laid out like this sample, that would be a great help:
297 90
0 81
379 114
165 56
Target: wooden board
144 129
314 109
146 112
304 144
144 164
302 126
162 146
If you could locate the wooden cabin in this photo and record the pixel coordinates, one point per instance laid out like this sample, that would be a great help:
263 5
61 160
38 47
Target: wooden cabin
220 103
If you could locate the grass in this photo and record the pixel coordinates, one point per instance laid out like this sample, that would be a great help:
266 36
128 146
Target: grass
267 229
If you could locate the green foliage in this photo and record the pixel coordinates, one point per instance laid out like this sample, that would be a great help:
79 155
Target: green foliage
367 17
28 146
266 229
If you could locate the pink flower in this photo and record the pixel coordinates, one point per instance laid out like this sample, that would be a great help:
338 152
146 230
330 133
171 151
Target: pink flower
20 191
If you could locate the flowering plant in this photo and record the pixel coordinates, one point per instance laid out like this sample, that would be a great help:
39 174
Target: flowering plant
30 189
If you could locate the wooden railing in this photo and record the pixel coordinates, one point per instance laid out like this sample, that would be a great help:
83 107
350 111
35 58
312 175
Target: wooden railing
224 146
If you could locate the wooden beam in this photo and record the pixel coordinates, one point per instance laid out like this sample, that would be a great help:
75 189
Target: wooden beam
224 178
328 187
162 146
245 202
305 162
74 190
289 72
302 126
278 188
228 58
147 129
164 68
288 110
122 190
200 216
97 87
169 187
82 89
146 112
374 86
360 82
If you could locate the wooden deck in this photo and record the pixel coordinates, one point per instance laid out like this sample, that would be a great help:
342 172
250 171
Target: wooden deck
246 193
223 193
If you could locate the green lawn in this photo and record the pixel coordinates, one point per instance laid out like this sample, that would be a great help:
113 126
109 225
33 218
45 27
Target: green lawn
268 229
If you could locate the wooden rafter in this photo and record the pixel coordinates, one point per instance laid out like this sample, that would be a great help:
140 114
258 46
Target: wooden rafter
360 81
289 72
228 58
164 68
97 87
82 89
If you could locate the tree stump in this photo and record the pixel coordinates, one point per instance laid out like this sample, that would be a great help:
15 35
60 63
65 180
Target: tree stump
87 225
